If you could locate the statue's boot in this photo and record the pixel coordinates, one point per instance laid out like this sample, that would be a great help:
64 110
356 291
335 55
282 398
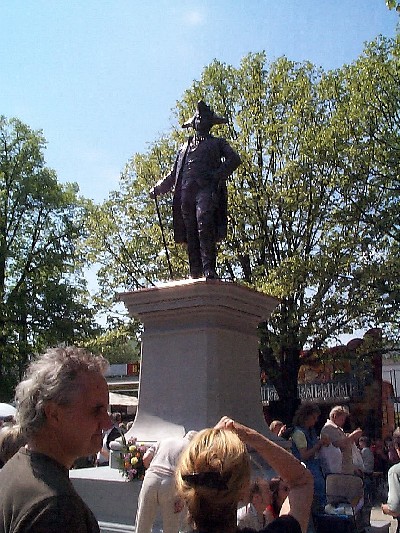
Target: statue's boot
193 249
195 265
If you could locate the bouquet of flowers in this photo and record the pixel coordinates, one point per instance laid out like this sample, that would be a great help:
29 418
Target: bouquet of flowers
131 459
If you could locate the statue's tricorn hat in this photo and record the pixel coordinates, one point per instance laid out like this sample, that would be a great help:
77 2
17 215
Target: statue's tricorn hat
203 109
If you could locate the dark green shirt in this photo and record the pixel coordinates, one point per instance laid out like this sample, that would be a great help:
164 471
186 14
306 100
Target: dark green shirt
37 496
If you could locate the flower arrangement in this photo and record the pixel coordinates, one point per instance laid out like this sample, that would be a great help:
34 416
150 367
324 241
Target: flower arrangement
131 459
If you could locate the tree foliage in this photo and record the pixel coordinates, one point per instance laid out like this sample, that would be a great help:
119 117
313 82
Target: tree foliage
374 107
43 297
118 343
393 4
313 207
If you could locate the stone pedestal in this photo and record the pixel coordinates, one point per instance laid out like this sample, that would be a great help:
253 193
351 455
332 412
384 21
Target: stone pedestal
199 362
112 499
199 356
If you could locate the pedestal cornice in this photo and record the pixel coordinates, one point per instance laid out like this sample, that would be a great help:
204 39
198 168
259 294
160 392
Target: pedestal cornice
202 302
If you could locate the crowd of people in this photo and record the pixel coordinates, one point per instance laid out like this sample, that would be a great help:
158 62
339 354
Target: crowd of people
335 451
209 475
62 415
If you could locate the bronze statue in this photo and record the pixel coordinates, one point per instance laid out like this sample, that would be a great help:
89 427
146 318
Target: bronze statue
202 166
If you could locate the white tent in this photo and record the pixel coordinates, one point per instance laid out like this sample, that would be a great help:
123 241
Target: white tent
7 410
130 402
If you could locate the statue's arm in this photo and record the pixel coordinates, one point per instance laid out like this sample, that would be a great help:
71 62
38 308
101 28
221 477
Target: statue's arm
165 184
230 161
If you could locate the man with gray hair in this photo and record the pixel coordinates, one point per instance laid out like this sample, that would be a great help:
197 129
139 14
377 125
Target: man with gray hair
62 411
338 458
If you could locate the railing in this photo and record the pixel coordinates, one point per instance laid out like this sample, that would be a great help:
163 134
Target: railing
322 392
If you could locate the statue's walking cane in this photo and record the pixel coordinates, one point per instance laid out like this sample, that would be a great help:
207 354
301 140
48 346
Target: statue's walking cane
163 236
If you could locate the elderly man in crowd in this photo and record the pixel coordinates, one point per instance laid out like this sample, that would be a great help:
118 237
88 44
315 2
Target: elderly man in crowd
338 458
62 411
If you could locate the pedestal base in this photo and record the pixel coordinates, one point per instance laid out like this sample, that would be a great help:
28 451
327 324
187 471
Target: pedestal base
112 499
199 362
199 356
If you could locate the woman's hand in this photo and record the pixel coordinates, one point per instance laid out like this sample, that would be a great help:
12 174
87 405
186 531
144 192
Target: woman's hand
225 423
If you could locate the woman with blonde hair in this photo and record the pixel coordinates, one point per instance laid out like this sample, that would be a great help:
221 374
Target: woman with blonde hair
213 476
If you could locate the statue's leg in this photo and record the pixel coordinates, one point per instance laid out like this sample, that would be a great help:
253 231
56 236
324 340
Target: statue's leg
193 247
193 244
205 215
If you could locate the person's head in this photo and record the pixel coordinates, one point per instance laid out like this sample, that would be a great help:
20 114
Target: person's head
364 442
338 415
9 420
11 440
279 492
275 426
306 415
64 397
204 119
260 494
388 442
396 440
116 418
212 476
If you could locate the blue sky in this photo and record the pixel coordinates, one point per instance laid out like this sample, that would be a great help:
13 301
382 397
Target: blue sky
100 77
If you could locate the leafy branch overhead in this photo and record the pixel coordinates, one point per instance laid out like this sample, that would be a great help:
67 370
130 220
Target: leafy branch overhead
313 209
393 4
313 215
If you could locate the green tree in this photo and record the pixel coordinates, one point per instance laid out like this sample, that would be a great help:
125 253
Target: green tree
119 343
43 297
303 205
393 4
373 112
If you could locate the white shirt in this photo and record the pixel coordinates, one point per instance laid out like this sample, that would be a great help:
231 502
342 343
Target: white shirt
247 516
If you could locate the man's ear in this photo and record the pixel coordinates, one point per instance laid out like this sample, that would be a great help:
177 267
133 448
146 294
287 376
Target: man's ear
52 412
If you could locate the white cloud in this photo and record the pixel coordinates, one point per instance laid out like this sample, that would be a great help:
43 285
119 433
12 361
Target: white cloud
194 18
